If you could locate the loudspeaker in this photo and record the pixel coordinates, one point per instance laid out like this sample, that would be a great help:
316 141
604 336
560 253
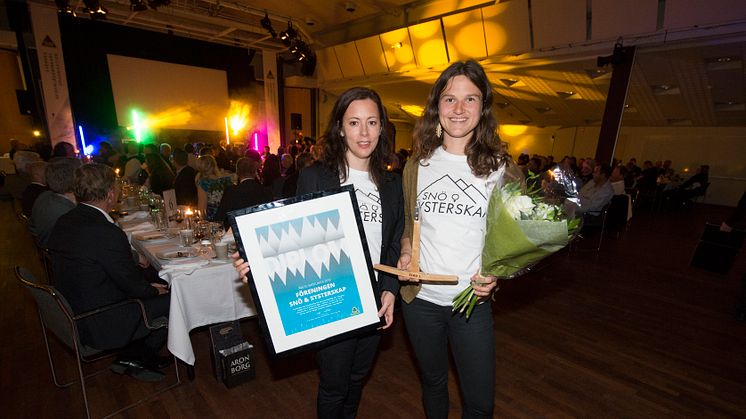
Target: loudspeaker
25 102
296 121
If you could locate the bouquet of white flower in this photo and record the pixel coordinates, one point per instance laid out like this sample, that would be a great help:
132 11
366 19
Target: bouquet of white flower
524 225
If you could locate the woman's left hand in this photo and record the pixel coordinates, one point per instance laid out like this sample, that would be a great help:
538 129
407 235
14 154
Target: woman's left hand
387 308
483 285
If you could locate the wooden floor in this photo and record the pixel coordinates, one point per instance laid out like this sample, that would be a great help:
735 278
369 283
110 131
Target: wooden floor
632 332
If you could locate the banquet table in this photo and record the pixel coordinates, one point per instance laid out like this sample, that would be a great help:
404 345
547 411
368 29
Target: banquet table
203 290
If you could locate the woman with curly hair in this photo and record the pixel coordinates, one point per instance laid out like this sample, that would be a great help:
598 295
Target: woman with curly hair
456 162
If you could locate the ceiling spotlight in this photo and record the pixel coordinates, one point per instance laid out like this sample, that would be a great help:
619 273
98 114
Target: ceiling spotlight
297 46
94 9
310 21
288 34
267 25
138 5
63 6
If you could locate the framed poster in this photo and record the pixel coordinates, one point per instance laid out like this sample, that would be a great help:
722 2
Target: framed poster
311 273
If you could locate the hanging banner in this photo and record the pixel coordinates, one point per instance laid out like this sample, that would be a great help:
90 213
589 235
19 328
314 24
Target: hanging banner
52 70
271 99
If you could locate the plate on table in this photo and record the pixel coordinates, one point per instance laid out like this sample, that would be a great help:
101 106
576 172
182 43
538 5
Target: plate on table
177 254
152 236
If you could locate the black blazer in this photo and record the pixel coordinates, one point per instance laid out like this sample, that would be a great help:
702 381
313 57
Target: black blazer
93 267
246 194
185 188
318 178
28 197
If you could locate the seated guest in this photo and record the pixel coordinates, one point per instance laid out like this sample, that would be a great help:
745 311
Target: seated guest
287 164
210 186
63 149
106 154
191 157
184 186
166 154
617 179
587 170
690 188
93 268
290 184
131 162
35 188
160 176
58 200
248 192
272 175
597 193
648 177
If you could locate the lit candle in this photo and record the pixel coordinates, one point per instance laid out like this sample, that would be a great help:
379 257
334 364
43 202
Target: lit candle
117 172
188 217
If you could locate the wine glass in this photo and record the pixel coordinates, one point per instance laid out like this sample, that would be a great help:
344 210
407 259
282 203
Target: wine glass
218 231
201 229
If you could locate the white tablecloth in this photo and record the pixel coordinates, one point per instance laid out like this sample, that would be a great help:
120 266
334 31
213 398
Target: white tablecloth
199 295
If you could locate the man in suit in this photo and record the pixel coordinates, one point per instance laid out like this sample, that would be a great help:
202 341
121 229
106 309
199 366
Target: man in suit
35 188
94 267
58 200
184 186
248 192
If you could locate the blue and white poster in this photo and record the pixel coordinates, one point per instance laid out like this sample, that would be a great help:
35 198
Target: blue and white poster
310 270
309 267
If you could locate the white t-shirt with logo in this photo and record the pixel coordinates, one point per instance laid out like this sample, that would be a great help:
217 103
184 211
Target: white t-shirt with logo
369 206
453 206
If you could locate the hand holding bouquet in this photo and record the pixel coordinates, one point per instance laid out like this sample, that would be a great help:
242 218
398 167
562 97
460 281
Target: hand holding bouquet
524 225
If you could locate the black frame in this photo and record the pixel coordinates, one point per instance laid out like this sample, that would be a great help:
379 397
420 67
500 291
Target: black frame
366 328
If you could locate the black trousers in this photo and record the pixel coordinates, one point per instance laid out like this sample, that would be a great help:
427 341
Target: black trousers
343 367
147 343
431 328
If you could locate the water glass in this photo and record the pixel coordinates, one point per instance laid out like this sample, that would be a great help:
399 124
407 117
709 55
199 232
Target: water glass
187 237
221 250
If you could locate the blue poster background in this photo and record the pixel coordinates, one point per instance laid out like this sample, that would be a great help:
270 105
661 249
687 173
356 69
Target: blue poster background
306 297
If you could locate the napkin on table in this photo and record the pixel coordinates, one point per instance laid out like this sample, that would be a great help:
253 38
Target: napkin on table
186 267
136 216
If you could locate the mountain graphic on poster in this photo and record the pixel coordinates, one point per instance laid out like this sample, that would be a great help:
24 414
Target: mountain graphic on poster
445 184
292 280
299 233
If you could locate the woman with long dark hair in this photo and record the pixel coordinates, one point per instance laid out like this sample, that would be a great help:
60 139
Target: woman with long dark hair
456 161
353 151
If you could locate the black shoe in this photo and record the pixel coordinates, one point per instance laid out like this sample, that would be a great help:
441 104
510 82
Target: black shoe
136 370
158 362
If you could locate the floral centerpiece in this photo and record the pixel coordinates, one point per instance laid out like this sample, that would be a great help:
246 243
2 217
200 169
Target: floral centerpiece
524 225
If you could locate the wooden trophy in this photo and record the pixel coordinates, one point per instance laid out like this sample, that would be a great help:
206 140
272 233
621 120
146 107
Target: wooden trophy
414 265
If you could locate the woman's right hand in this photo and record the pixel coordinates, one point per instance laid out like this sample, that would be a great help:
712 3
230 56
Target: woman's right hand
242 267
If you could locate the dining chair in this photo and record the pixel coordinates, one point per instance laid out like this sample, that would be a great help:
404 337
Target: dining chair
56 316
593 225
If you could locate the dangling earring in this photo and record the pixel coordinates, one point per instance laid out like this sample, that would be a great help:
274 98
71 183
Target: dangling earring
438 130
